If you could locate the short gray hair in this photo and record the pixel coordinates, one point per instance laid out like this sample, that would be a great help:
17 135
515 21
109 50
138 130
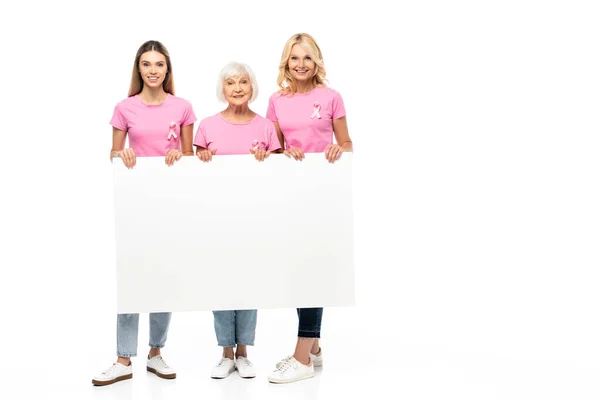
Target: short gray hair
236 70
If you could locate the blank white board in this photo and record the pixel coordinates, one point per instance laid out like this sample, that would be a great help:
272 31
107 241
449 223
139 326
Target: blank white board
233 233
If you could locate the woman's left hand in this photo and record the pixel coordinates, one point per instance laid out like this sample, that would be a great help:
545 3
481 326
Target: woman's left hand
260 154
333 152
172 156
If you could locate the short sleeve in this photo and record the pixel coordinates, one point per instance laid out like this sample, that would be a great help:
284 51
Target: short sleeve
188 115
271 115
118 119
337 105
200 138
272 139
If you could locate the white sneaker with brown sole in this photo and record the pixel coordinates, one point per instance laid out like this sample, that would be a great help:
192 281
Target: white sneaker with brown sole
158 366
117 372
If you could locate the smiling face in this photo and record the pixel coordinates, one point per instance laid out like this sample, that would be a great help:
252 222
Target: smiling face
153 69
237 90
300 64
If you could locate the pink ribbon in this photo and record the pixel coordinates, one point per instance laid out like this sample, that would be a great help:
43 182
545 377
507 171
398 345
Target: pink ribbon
258 145
172 131
316 109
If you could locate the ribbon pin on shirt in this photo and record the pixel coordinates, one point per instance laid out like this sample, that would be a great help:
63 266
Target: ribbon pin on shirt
316 109
172 131
258 145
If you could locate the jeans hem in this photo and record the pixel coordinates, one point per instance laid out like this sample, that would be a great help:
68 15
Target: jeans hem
307 334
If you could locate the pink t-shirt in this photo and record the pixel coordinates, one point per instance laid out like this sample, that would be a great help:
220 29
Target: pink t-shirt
226 137
153 130
306 120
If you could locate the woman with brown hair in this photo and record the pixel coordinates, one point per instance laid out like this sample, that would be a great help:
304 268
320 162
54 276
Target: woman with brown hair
157 123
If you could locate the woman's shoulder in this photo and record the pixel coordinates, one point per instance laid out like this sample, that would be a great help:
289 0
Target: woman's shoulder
211 118
327 90
128 101
178 100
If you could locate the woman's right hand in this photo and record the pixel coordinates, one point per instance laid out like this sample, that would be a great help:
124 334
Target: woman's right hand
294 152
206 154
127 155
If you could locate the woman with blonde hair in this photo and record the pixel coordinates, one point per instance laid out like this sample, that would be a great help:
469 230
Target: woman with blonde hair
307 115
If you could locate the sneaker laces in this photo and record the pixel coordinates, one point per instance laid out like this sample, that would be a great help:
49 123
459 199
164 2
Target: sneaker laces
286 364
284 360
161 362
110 369
223 361
245 361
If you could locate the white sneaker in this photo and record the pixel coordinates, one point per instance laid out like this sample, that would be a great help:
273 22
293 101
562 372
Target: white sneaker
117 372
290 370
158 366
245 367
281 362
223 368
316 360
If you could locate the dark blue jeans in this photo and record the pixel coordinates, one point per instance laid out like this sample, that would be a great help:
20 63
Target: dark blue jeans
309 322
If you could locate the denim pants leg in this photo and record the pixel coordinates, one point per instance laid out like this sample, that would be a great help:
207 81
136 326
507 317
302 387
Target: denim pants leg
235 327
309 322
225 328
127 332
159 327
245 326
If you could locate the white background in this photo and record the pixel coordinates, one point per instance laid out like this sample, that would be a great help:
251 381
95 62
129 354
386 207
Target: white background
475 126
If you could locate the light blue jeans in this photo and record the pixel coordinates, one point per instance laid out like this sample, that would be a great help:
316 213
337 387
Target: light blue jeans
235 327
127 332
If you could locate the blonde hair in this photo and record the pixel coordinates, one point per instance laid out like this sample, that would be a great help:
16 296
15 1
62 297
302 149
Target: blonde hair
285 80
137 83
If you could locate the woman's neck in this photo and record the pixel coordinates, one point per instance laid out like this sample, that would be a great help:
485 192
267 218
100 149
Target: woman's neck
304 87
235 113
153 95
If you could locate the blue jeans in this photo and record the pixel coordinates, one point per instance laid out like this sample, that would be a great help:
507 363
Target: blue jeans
235 327
127 332
309 322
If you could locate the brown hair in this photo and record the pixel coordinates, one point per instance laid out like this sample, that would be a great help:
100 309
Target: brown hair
137 83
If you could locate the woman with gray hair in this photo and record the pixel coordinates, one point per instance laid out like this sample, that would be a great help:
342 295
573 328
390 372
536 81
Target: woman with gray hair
235 130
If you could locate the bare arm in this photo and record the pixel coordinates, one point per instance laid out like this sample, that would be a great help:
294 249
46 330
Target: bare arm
118 142
342 137
187 136
118 148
